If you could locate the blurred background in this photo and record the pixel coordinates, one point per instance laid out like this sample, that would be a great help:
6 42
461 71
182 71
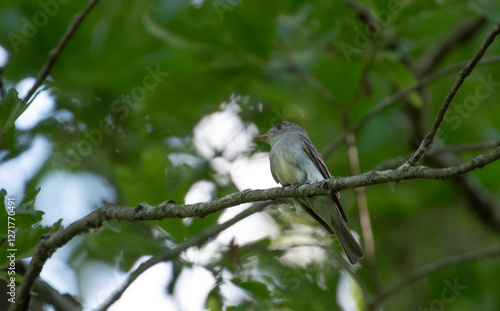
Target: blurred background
160 100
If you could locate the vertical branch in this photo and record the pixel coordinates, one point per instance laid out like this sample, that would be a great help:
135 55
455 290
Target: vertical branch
364 213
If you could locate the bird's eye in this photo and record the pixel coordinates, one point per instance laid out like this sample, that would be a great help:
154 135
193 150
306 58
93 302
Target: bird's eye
281 126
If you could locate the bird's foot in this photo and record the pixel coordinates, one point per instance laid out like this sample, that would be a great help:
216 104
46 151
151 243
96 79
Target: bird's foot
297 185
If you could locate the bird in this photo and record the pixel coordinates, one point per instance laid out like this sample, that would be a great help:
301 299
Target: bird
295 160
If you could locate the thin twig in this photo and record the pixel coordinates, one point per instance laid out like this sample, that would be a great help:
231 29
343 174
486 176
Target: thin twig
429 138
2 87
167 209
363 15
394 99
395 162
428 269
481 201
60 302
171 254
467 147
25 287
54 53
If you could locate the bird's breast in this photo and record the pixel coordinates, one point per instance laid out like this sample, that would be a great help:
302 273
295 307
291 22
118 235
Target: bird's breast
292 165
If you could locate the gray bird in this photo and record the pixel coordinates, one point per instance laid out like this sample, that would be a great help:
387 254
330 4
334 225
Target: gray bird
295 160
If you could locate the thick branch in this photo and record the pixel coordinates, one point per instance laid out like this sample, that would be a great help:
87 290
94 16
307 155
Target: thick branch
394 99
429 138
167 209
54 53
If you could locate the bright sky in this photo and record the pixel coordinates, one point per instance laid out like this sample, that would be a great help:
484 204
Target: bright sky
3 56
72 195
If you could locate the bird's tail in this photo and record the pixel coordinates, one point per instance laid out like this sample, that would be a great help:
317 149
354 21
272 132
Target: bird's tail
326 212
351 247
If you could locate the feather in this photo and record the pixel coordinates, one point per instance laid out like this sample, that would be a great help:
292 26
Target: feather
320 164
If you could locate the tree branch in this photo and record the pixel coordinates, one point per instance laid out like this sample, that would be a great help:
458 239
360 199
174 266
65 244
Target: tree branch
394 99
363 14
428 269
429 138
54 53
171 254
167 209
481 202
394 162
467 147
60 302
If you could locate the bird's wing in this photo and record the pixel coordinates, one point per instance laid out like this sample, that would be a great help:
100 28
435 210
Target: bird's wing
320 164
274 172
315 156
274 176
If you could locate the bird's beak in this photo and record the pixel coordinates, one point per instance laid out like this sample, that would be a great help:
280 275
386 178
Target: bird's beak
262 137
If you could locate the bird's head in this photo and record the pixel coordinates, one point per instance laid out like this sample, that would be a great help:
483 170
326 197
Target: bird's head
278 131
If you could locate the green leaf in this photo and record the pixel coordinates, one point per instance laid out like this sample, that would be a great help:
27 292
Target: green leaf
26 215
3 212
389 65
214 300
108 245
257 289
177 266
26 242
10 109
